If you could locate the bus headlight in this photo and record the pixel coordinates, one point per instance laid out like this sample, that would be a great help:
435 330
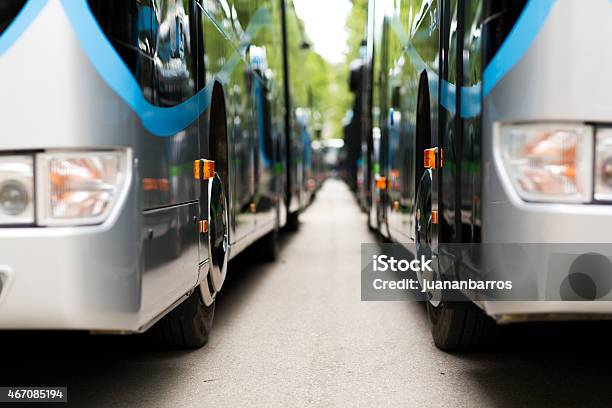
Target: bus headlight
548 162
79 188
16 190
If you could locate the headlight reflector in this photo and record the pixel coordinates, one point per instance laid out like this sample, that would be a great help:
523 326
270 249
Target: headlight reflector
16 190
14 197
79 188
548 162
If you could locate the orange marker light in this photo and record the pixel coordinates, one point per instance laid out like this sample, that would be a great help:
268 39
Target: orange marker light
197 169
429 158
155 184
209 169
164 184
434 217
203 227
149 184
381 183
203 169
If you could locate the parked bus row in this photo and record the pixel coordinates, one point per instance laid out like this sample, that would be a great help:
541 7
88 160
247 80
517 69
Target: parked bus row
145 143
486 122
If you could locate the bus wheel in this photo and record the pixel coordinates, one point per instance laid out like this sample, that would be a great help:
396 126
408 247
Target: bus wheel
187 326
460 326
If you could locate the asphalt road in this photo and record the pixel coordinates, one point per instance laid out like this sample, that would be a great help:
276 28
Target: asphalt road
295 333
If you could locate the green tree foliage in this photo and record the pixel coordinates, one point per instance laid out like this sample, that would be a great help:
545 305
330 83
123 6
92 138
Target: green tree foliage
356 28
330 95
342 101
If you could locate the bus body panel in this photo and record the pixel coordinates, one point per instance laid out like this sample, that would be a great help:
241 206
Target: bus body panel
107 276
127 272
547 85
556 80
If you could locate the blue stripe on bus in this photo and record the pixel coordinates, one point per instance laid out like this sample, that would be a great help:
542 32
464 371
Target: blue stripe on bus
515 46
470 95
157 120
470 99
111 68
168 121
517 43
103 56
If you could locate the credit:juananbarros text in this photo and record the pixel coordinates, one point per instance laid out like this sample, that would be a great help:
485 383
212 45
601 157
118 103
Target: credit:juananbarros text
429 285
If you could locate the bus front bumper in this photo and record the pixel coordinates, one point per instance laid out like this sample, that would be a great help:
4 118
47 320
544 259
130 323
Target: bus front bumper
559 257
74 278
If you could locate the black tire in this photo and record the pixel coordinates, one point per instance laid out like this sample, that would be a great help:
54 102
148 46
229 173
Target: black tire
293 221
461 326
188 326
267 247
